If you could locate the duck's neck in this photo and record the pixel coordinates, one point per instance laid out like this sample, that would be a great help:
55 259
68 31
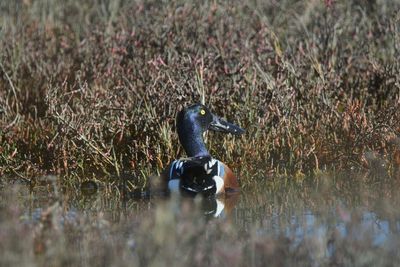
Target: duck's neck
192 141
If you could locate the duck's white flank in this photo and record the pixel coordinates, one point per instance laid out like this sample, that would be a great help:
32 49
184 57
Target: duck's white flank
219 182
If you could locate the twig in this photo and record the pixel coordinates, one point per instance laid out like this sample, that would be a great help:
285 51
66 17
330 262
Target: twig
11 85
87 141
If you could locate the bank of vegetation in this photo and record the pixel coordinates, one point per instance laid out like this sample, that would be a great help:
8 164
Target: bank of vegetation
93 87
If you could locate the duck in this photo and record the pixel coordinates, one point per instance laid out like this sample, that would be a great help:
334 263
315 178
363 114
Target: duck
199 172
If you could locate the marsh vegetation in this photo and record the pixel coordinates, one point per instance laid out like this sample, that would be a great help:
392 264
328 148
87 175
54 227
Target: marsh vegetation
89 91
94 87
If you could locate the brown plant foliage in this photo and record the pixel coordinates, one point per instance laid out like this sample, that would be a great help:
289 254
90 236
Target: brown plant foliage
93 87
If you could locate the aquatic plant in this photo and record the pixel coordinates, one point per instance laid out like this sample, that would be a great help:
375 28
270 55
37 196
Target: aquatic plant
93 87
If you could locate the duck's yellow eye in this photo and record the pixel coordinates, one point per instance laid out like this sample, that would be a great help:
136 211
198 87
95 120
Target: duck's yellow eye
202 112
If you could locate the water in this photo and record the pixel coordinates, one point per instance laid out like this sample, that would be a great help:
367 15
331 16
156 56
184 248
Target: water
344 220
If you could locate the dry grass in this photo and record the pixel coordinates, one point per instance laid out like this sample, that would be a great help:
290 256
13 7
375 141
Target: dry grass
94 87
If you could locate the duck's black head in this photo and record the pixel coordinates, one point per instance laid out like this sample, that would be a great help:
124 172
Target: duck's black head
193 121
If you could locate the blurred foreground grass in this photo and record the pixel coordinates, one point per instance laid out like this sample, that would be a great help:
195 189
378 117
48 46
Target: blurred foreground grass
93 86
333 220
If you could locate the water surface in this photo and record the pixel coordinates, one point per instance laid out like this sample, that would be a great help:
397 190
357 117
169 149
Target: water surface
343 220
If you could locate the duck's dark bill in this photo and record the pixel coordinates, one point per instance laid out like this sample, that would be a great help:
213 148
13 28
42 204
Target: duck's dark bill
221 125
